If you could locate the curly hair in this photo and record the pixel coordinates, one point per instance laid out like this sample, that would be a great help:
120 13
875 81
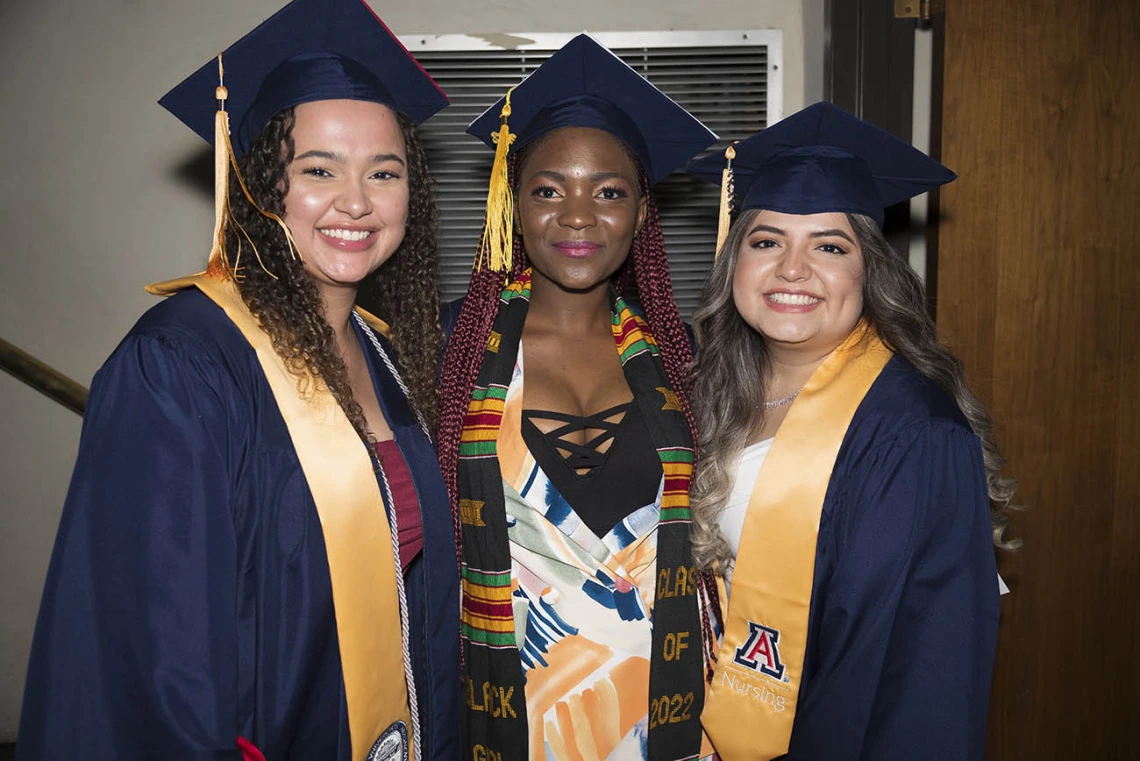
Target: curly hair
732 369
646 266
285 300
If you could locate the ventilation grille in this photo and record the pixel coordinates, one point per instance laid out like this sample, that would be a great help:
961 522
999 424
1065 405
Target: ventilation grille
725 86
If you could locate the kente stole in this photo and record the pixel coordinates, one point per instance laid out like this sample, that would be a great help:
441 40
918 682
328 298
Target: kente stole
340 475
492 665
751 703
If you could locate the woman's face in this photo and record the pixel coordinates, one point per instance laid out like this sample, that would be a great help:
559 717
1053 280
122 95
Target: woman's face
578 207
799 279
347 204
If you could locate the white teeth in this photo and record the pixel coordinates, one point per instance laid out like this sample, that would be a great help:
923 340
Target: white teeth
799 299
334 232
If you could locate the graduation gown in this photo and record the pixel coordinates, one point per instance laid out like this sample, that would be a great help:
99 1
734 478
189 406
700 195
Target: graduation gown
904 609
188 601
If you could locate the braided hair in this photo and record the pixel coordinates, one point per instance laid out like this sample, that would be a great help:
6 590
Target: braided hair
646 269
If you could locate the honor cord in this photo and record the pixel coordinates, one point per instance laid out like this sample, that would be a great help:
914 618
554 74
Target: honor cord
409 678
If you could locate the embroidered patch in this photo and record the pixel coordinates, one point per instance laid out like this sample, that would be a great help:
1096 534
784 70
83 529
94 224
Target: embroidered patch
392 745
493 342
761 651
471 512
671 400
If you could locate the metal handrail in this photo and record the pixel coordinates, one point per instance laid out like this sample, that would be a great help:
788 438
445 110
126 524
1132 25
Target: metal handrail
43 378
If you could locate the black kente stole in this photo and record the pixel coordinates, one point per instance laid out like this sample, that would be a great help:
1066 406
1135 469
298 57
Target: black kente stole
495 725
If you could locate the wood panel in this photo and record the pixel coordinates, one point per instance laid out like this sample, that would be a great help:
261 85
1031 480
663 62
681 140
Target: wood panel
1039 293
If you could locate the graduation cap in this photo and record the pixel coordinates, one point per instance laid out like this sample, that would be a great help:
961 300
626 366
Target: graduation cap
821 159
309 50
582 85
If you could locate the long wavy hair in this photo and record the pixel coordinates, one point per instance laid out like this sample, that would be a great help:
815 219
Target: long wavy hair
646 268
732 369
285 300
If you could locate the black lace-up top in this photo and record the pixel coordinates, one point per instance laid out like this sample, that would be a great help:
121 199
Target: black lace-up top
603 484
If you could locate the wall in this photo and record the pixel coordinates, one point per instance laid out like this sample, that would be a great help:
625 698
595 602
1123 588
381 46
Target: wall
104 191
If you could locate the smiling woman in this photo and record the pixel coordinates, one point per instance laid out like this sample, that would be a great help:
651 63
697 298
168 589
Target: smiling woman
799 281
257 533
347 204
849 491
580 207
565 433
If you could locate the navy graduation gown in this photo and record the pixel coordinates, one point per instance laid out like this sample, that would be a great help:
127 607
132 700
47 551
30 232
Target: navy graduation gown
904 611
188 599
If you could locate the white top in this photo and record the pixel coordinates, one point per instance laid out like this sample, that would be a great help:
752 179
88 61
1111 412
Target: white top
732 518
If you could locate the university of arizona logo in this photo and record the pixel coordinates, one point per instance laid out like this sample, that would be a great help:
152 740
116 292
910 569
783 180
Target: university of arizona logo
761 651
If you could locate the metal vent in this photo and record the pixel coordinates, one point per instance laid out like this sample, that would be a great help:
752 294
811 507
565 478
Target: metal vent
726 79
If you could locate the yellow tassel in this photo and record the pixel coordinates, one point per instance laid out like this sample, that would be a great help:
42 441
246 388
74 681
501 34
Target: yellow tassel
498 230
219 264
727 192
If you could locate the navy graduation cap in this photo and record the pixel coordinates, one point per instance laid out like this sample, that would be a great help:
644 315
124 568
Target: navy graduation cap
585 85
309 50
823 159
582 85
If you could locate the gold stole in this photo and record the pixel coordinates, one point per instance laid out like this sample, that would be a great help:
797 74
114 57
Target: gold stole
362 568
751 703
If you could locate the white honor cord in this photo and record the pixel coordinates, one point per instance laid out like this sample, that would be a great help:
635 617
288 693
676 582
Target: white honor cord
405 627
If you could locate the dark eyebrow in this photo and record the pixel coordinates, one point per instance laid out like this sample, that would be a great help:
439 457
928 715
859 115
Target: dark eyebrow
329 155
379 158
767 229
595 177
835 232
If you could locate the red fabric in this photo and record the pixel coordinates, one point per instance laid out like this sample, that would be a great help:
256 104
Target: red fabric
249 751
411 532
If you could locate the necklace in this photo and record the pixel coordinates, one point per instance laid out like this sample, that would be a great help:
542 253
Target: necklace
786 400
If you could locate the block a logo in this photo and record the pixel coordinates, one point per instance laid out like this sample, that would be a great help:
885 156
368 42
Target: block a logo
761 651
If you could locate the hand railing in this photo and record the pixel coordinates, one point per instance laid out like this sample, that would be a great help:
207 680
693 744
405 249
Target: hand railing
43 378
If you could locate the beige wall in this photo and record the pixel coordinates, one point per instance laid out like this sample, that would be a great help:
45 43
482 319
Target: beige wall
95 202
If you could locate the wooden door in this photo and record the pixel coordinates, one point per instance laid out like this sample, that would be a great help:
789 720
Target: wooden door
1039 293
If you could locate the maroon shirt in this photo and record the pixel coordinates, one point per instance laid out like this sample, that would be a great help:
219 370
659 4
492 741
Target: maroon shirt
410 529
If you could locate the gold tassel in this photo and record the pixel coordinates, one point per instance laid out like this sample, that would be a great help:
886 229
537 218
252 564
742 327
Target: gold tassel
727 193
496 247
219 264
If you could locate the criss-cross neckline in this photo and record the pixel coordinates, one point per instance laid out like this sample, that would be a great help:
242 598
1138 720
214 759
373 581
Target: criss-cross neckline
588 455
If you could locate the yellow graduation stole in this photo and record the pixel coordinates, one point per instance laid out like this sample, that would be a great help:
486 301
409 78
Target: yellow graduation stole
751 703
358 542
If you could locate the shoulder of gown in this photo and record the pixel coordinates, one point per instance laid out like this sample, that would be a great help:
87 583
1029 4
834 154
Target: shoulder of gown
904 604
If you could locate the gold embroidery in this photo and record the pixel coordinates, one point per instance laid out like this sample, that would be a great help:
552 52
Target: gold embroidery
471 512
496 700
676 582
493 342
671 400
670 709
482 753
674 644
